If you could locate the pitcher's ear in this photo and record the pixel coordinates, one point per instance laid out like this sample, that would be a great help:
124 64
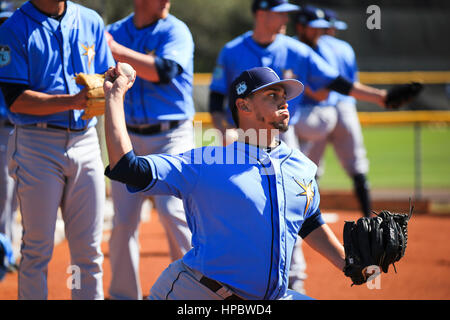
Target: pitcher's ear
242 105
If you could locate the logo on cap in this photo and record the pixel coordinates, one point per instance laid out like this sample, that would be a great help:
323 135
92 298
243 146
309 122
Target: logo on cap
241 88
320 14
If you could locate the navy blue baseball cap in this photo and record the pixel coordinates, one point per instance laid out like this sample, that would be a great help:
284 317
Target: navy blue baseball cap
253 80
312 17
332 17
274 5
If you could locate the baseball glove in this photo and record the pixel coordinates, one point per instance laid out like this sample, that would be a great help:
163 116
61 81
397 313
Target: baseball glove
96 97
402 94
375 241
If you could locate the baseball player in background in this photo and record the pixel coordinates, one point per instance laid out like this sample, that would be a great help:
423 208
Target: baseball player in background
54 154
334 119
158 109
245 205
267 46
8 199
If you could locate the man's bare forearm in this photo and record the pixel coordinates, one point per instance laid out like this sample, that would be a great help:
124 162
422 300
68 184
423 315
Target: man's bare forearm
325 242
41 104
143 63
318 95
117 140
368 94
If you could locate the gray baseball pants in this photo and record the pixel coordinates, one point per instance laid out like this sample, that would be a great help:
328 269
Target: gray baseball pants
179 282
338 125
55 168
8 199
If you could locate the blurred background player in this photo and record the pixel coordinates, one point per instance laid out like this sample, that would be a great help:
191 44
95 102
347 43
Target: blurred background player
54 155
335 24
159 109
333 119
8 199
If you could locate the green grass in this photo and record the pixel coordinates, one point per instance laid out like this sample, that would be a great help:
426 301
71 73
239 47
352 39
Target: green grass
391 154
392 159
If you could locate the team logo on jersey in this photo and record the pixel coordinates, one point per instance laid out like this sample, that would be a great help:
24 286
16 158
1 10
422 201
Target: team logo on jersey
90 53
241 88
5 55
308 191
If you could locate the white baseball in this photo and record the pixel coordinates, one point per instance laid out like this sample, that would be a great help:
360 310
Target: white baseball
126 70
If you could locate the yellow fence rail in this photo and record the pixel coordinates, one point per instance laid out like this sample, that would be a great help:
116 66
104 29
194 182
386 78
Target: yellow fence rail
426 77
403 117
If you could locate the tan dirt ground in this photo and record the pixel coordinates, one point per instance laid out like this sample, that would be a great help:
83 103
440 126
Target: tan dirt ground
422 274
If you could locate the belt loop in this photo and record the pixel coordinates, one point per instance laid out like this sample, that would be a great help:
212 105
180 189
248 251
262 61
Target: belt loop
224 292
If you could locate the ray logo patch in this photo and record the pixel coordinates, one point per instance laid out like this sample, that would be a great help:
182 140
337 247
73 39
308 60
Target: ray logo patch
5 55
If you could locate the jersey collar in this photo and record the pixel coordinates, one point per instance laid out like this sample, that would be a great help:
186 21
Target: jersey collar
280 152
49 23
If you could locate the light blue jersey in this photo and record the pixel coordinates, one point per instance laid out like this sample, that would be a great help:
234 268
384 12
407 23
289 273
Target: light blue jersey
288 57
147 102
46 54
346 61
326 52
256 201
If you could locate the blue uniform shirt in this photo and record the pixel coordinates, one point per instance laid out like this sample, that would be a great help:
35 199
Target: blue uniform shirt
346 61
326 52
288 57
245 208
46 54
147 102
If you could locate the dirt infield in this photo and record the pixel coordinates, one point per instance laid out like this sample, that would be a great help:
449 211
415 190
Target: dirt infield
422 274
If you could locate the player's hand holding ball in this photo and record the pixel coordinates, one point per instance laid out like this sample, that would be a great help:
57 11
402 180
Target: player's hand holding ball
119 79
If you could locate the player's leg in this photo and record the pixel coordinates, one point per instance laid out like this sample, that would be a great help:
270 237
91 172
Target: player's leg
82 210
297 272
313 128
315 123
124 244
172 217
35 164
348 144
170 209
178 282
8 199
124 241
